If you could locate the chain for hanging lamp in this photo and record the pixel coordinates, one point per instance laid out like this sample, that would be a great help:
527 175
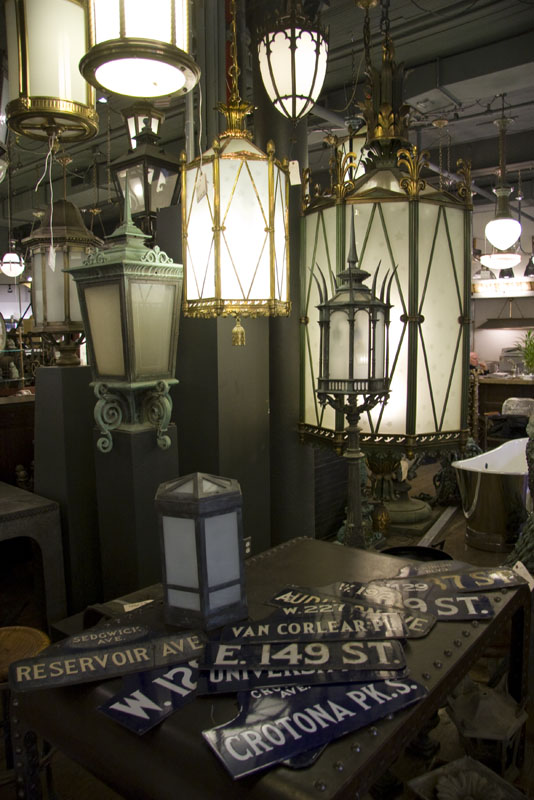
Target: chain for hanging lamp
503 230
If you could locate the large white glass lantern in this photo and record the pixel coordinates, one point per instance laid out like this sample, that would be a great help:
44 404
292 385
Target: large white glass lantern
47 95
292 55
424 235
202 550
61 242
235 233
140 48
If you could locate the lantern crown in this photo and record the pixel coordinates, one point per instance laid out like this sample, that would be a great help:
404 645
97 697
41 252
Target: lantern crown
200 491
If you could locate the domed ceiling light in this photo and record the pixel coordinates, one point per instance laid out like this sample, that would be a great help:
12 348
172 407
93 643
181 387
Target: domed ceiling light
139 48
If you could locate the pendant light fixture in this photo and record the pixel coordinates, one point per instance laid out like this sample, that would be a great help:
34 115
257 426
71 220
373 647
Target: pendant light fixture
503 230
235 222
140 49
12 263
292 54
424 234
47 95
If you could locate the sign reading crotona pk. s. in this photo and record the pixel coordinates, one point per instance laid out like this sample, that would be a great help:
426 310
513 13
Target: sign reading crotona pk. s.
58 666
275 725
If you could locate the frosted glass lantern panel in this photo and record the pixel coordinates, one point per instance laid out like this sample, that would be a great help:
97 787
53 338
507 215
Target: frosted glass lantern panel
56 284
222 548
152 318
188 600
224 597
162 186
52 59
136 187
140 77
179 541
200 268
339 368
245 265
74 257
104 312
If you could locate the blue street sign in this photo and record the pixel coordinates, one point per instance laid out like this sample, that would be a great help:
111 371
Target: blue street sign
278 725
353 655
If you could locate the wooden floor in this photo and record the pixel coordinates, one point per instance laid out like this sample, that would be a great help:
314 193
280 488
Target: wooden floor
73 783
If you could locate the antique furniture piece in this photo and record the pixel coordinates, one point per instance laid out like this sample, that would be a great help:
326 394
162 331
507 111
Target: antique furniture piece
172 759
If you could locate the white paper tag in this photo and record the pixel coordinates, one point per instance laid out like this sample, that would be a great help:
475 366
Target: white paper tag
294 173
52 258
520 569
202 187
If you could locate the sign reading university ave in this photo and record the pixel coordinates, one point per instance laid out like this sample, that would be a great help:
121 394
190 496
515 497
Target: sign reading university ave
68 664
275 725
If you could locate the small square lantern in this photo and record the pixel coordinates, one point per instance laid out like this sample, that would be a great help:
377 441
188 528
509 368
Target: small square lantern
202 550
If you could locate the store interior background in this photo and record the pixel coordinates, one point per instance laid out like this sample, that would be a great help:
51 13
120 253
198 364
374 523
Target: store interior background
237 412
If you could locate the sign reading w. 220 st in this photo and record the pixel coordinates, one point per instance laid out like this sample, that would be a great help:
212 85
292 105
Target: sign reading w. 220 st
334 655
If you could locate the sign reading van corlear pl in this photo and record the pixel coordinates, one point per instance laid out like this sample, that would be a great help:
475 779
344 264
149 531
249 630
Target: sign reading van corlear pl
63 665
273 726
320 655
341 623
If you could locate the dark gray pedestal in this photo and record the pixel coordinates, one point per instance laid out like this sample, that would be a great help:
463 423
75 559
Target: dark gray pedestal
127 479
64 472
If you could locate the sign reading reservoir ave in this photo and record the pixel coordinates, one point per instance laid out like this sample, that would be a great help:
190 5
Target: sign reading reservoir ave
275 725
340 623
63 665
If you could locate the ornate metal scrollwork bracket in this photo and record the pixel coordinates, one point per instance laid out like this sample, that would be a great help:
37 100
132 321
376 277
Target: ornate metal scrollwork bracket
158 409
110 411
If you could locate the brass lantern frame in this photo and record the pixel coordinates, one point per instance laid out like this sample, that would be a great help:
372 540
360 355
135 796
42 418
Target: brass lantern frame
39 117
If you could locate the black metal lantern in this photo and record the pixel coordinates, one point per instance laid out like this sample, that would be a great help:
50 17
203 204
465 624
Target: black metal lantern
151 176
353 363
142 115
202 550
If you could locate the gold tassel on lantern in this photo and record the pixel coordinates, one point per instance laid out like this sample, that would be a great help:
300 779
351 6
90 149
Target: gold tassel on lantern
238 334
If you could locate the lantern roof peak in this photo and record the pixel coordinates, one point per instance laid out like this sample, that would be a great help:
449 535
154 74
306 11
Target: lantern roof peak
128 233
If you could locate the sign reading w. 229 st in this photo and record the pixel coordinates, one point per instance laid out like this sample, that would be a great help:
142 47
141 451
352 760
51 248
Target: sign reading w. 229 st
335 655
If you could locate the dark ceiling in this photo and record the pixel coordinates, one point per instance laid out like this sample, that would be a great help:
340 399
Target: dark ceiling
460 59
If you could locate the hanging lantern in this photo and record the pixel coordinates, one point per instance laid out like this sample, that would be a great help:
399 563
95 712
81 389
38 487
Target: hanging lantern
292 55
140 49
235 223
47 95
60 243
139 116
422 234
12 264
503 230
151 176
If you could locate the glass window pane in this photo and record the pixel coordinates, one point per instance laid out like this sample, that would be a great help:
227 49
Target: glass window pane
222 551
224 597
180 551
152 317
104 311
183 599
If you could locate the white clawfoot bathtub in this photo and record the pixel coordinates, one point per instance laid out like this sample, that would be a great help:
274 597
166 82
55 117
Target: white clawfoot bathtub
495 497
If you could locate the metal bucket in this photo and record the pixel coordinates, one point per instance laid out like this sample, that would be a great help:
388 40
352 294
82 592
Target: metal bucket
494 491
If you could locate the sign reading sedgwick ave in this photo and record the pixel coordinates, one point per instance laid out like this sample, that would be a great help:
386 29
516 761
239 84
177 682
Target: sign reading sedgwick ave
75 666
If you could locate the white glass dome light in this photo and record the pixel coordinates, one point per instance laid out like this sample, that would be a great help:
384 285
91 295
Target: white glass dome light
140 49
503 232
12 264
292 58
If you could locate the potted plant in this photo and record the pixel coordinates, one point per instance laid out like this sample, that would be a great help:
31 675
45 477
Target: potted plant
527 351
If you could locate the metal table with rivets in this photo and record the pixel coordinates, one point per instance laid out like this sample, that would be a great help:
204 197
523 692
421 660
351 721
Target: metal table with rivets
173 759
